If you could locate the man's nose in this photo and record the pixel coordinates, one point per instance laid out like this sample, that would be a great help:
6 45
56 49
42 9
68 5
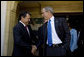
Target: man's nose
29 20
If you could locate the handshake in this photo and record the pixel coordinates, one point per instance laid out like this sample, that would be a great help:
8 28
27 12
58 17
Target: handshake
34 48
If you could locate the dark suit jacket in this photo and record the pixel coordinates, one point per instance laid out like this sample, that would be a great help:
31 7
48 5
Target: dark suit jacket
62 30
22 40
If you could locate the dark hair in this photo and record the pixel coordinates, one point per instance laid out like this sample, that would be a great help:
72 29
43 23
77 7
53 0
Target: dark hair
23 14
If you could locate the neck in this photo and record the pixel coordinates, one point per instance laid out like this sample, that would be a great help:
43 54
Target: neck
23 22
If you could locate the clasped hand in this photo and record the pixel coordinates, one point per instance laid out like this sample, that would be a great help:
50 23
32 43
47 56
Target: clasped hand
34 48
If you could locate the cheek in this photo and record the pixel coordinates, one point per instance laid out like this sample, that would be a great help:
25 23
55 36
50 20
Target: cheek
44 15
26 20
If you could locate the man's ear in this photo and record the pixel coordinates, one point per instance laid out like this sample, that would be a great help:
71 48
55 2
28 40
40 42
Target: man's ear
21 17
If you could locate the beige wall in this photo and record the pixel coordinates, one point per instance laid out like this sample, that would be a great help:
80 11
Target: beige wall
3 20
64 6
58 6
10 18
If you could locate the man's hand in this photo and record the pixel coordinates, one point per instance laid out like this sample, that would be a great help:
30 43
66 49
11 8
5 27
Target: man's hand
34 48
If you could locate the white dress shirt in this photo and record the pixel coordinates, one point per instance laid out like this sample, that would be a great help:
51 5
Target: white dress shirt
24 26
55 38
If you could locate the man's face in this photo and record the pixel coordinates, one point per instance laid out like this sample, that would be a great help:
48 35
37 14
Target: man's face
45 14
26 19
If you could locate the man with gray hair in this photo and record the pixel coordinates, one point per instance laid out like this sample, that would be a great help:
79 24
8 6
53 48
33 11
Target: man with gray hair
53 34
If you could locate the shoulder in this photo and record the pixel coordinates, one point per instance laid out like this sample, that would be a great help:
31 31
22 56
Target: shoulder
60 18
74 30
17 26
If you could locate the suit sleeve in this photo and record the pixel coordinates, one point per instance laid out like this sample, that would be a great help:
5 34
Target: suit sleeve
66 34
33 35
17 38
40 36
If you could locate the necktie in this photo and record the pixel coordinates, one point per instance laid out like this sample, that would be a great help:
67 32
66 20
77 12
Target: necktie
49 32
27 30
26 27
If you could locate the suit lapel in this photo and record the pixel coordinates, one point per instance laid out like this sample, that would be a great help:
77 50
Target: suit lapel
24 31
45 32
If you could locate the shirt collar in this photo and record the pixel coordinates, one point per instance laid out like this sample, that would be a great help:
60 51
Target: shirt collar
52 18
22 23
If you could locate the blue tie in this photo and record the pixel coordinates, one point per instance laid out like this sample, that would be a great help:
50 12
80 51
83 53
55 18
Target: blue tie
49 33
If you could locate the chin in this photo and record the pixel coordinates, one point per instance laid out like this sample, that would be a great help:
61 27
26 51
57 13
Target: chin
44 18
26 23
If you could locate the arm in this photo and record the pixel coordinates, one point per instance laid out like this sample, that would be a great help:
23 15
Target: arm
66 34
17 38
33 35
40 37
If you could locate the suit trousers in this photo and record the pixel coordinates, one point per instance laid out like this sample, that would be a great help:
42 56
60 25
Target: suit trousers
55 51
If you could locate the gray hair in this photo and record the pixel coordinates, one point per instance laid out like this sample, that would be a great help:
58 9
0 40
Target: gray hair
49 9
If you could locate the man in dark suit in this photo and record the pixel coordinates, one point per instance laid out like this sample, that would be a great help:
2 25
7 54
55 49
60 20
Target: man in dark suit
54 35
23 45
